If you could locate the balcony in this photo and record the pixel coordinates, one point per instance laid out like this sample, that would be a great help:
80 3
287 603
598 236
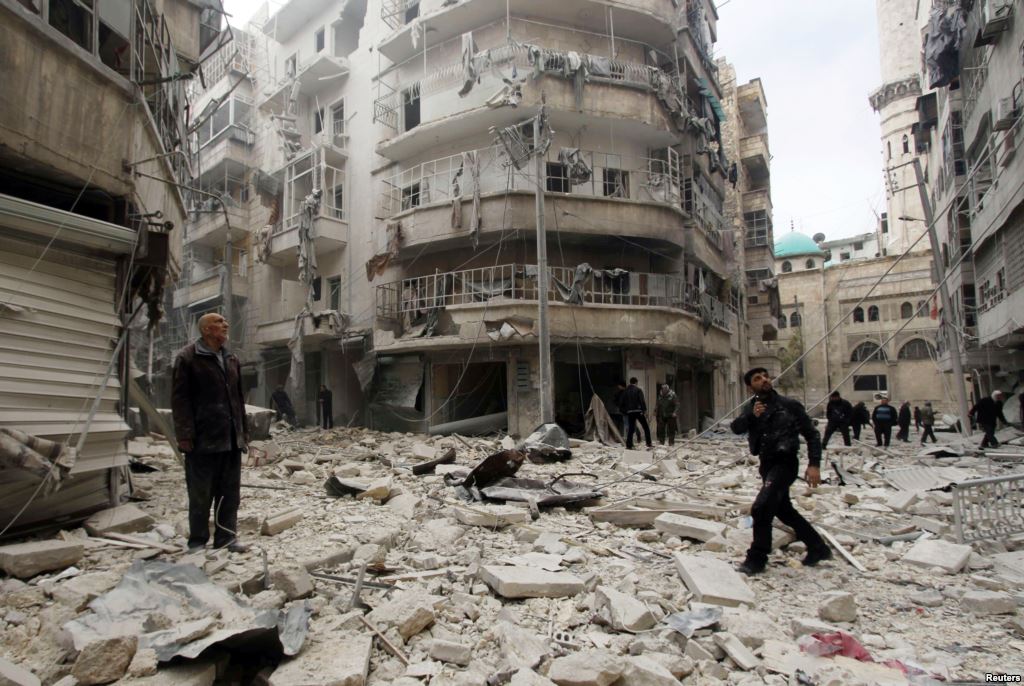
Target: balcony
226 155
755 158
643 20
291 17
607 301
314 75
330 232
315 329
210 227
759 199
704 207
753 105
206 287
627 94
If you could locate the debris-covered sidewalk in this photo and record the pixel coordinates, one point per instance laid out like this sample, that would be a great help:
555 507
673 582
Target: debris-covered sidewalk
399 559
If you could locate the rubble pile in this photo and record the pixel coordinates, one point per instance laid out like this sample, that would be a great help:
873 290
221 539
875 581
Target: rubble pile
400 559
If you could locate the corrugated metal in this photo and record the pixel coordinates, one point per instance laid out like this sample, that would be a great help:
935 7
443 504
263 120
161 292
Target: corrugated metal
54 354
926 478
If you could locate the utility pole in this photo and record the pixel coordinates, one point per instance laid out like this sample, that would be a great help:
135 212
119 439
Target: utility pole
947 306
547 410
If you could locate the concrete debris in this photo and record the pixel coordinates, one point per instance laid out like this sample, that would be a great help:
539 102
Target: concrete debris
409 613
838 606
105 660
689 527
342 661
988 603
736 651
527 582
295 582
642 670
936 554
14 675
625 613
124 519
450 651
713 581
276 523
26 560
587 668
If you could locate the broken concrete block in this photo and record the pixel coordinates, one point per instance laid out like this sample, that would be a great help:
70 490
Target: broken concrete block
838 606
801 626
550 542
926 598
528 677
422 451
410 613
636 457
641 670
404 504
689 527
378 490
14 675
520 648
333 662
123 519
143 664
276 523
901 501
195 673
449 651
950 557
26 560
696 652
104 660
713 581
936 526
586 668
679 665
294 582
625 613
77 592
736 651
988 603
527 582
491 516
750 626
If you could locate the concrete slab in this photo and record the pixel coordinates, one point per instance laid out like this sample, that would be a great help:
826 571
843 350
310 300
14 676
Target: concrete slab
528 582
689 527
713 581
15 675
625 613
337 662
123 519
735 649
26 560
950 557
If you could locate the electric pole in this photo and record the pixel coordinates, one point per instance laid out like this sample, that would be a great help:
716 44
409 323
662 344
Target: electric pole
953 340
547 411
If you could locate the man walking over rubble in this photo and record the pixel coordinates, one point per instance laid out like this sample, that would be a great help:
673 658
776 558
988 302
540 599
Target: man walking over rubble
861 417
210 424
903 419
987 412
282 406
773 424
325 401
839 414
666 411
928 423
634 405
883 417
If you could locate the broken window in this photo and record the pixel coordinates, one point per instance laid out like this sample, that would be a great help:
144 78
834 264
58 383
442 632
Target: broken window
411 196
922 308
885 222
32 6
870 382
115 29
759 226
616 183
317 288
319 40
411 107
809 264
412 10
339 202
338 120
557 178
858 246
334 293
318 120
782 321
906 144
73 18
843 256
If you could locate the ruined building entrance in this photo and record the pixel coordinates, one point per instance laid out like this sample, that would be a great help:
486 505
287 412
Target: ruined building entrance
579 373
461 392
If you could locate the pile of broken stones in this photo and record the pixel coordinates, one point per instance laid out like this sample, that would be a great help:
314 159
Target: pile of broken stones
404 578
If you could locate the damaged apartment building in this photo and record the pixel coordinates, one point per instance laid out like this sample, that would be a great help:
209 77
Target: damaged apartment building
380 170
94 165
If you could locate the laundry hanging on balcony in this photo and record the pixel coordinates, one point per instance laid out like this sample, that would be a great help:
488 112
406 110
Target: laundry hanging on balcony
515 146
376 265
573 293
771 287
576 168
942 45
307 250
615 280
469 70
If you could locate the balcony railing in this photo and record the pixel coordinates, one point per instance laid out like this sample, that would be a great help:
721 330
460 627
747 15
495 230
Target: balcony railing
704 204
518 283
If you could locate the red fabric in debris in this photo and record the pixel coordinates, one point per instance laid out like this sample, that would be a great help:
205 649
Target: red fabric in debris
835 643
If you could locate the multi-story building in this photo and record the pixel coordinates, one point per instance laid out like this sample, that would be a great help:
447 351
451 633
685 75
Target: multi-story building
94 167
968 129
748 211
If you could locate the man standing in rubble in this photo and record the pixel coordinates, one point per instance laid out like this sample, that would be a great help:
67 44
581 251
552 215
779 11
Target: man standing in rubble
903 419
282 406
987 412
208 406
667 413
883 417
861 417
634 405
928 423
839 414
773 424
325 401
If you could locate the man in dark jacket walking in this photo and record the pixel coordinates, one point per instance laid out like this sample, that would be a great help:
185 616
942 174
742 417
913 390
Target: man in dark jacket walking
839 414
917 417
773 424
666 410
210 424
634 406
903 419
987 412
325 402
861 417
282 405
883 417
928 423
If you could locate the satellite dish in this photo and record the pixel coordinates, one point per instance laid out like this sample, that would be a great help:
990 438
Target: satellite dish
818 237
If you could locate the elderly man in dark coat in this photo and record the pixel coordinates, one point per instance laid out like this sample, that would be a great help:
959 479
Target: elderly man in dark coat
210 423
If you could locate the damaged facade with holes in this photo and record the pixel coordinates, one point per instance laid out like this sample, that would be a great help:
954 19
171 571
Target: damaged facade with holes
633 174
92 142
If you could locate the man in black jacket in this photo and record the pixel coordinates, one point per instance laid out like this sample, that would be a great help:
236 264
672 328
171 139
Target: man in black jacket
903 419
773 424
633 404
839 414
210 424
883 417
986 412
861 417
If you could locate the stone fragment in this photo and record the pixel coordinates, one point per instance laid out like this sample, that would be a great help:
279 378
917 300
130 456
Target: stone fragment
550 542
280 521
423 452
144 663
641 670
636 457
63 681
491 516
950 557
696 652
528 677
753 628
378 490
520 648
988 603
15 675
335 662
689 527
77 592
930 524
680 666
625 613
838 606
528 582
801 626
26 560
409 612
404 504
927 598
195 673
713 581
586 668
295 582
123 519
104 660
736 651
449 651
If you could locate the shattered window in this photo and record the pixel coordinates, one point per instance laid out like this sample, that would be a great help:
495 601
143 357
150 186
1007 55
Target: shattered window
616 183
558 178
73 18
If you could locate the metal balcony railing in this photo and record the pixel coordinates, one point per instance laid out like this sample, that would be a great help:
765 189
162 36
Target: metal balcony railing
704 204
518 283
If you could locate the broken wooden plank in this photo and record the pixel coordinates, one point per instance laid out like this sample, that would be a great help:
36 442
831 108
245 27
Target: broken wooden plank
391 648
125 538
842 551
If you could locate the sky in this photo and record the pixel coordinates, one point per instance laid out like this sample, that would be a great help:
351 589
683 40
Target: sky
818 62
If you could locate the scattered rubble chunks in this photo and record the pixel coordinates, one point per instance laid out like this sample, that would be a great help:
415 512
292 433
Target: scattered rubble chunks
410 612
26 560
586 668
491 517
340 661
295 582
988 603
625 613
641 670
736 651
713 581
15 675
104 660
933 553
689 527
449 651
123 519
527 582
281 521
838 606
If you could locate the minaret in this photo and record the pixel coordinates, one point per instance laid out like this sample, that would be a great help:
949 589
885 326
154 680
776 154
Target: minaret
899 41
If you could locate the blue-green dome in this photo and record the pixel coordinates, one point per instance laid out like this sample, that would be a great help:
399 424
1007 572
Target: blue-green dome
795 243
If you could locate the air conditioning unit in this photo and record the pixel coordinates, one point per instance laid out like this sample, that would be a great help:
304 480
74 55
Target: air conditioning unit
995 19
1006 114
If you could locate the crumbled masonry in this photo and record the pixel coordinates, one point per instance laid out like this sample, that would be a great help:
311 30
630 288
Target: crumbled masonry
636 589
